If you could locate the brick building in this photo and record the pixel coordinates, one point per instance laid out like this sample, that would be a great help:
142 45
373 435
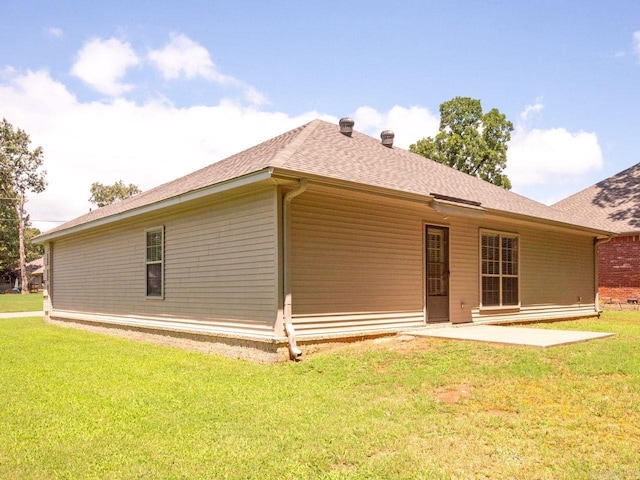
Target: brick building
614 204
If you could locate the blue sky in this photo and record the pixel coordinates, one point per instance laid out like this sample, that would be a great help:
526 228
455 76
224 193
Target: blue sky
148 91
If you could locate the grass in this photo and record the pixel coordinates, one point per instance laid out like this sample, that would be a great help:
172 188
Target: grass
82 405
10 303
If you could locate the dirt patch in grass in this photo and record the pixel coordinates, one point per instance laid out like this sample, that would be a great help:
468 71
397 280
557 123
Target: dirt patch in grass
453 394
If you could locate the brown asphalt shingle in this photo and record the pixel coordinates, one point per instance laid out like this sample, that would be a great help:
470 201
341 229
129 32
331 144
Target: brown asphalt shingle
318 148
612 204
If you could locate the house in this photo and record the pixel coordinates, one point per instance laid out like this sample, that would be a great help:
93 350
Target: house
35 273
319 234
614 204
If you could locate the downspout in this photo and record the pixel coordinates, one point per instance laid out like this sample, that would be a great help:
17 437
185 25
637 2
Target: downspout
294 351
596 243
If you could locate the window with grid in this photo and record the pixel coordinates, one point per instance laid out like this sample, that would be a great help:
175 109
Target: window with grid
155 262
499 270
437 253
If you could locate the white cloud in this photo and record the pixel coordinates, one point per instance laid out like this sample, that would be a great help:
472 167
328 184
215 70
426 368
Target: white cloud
368 120
151 143
636 43
184 58
256 98
103 63
408 124
531 109
55 32
551 156
146 144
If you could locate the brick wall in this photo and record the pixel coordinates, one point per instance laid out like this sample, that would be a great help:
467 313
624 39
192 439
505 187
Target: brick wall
619 269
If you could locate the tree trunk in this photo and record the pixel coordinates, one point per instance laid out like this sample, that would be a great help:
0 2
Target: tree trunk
23 260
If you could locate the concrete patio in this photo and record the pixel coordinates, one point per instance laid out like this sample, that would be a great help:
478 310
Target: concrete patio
21 314
506 335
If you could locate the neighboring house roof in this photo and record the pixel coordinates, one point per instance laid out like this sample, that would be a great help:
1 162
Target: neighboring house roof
318 150
34 267
37 263
612 204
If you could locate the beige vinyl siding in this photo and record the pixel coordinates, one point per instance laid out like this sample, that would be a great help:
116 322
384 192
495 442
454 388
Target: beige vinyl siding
358 265
559 269
556 275
221 267
357 262
97 273
555 269
464 268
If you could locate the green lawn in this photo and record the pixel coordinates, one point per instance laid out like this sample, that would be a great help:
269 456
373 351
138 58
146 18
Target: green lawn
10 303
80 405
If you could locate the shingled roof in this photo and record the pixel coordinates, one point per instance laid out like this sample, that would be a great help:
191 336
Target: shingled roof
612 204
318 149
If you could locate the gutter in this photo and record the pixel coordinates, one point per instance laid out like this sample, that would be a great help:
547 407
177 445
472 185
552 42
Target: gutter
316 179
294 351
550 222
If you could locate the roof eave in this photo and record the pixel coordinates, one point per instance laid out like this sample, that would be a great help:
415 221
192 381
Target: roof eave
251 178
553 223
276 174
285 174
440 206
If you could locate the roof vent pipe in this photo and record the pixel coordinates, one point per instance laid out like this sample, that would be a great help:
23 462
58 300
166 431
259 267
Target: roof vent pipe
346 126
387 138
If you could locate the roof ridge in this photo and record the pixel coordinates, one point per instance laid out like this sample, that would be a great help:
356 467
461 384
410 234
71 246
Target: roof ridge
287 152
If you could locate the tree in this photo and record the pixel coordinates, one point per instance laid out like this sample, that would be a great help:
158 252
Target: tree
9 252
470 141
20 172
102 195
9 239
9 255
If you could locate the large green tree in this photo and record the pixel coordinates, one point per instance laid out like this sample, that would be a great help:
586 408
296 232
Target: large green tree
470 141
20 172
102 195
9 240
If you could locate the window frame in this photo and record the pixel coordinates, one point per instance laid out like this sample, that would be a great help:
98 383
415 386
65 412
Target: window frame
502 262
149 262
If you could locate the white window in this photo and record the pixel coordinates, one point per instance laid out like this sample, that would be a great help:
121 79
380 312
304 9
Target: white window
500 281
155 262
